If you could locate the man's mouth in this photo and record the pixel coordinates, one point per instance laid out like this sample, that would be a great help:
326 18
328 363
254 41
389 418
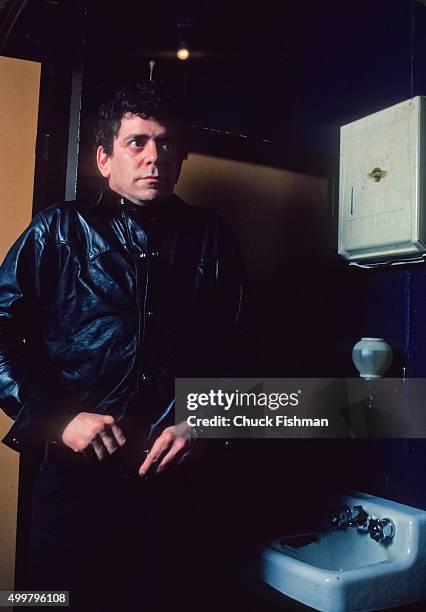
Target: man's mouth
153 179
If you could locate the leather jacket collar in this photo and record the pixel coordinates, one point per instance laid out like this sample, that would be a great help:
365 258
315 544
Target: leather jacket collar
109 199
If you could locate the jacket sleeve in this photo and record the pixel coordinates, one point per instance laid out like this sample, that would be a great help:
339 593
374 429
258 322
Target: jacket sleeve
27 281
222 345
237 351
227 348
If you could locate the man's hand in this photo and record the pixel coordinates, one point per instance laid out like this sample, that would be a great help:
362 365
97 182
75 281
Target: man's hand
171 447
93 431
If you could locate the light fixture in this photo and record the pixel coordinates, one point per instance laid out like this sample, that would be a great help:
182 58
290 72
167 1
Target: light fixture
182 51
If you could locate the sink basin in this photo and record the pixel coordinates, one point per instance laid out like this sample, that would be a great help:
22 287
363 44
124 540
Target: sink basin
346 570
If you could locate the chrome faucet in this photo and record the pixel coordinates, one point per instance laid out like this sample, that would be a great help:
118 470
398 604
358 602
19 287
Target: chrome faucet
341 517
344 516
380 530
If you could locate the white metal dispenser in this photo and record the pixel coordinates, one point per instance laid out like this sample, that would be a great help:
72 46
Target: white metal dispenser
382 186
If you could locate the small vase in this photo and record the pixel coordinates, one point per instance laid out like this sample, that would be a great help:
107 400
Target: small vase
372 357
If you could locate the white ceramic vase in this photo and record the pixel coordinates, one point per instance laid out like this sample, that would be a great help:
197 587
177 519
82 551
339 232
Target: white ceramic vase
372 357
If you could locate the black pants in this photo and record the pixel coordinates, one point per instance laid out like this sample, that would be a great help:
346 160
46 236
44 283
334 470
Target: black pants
115 541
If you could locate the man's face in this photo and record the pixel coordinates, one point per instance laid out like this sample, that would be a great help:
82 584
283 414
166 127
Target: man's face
143 166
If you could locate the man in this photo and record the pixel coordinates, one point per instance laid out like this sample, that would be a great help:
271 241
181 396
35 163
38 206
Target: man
101 307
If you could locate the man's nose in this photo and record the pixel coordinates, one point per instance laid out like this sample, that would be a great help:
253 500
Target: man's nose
151 151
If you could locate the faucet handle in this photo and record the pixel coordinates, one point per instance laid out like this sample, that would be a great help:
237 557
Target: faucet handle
381 529
359 518
340 518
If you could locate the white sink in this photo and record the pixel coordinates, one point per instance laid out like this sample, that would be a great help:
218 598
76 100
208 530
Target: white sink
346 570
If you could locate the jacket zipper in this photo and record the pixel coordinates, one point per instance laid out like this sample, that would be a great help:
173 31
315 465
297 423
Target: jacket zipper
141 316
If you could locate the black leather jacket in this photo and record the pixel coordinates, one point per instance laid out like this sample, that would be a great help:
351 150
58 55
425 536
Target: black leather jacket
103 305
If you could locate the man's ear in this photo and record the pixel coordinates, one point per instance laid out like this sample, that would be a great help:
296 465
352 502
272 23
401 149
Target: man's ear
103 161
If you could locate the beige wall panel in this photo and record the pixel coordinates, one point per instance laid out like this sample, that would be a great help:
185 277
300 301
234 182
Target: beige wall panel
255 199
19 94
19 86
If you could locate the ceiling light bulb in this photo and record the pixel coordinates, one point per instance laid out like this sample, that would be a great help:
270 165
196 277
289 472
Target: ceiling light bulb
182 52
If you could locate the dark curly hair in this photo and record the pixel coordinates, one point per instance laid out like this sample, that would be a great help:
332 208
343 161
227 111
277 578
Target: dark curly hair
147 99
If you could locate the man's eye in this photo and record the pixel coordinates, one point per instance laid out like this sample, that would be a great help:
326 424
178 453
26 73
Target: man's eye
168 147
136 143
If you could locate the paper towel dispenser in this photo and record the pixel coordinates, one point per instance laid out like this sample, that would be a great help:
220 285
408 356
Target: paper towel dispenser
382 185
